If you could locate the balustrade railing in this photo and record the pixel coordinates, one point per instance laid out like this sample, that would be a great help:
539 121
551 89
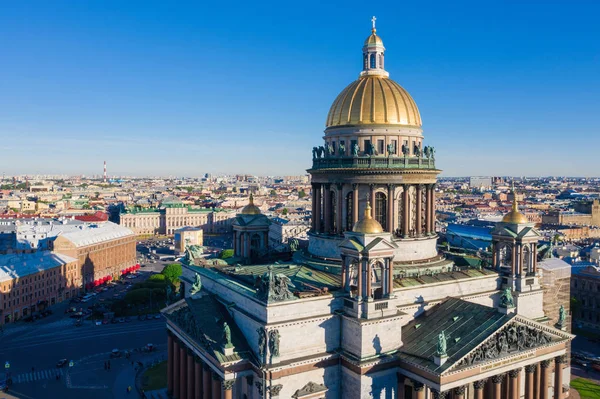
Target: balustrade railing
374 162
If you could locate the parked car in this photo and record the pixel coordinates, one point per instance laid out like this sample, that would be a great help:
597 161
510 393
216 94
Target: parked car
115 353
157 316
62 363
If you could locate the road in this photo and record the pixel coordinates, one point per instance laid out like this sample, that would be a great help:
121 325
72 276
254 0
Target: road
33 356
33 349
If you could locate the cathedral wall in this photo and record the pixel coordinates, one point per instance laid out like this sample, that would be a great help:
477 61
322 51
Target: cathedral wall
328 376
530 304
455 288
223 287
369 338
382 384
324 247
301 308
415 249
304 338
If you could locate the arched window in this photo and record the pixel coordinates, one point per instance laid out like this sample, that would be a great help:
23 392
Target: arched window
349 210
505 255
381 209
366 61
527 261
372 61
377 280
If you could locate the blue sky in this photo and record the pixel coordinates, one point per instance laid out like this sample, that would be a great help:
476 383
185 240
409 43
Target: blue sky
183 88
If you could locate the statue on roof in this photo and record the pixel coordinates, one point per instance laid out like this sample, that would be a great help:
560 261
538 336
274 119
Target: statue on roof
197 286
562 316
405 150
355 150
506 299
441 344
417 151
341 150
390 149
294 244
314 152
227 336
273 287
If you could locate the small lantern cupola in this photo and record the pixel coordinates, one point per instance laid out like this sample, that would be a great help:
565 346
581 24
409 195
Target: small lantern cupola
373 54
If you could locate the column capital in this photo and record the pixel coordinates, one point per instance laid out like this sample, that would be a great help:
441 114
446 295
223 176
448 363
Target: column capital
497 379
391 186
459 390
418 386
227 384
530 368
560 359
355 186
479 384
545 364
514 373
439 395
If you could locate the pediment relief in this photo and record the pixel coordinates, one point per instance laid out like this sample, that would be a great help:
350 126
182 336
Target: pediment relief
309 390
514 337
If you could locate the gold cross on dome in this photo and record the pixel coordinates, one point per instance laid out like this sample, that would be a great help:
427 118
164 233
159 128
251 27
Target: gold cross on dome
373 21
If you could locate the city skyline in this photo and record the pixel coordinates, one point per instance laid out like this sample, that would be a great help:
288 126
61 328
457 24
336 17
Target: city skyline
155 90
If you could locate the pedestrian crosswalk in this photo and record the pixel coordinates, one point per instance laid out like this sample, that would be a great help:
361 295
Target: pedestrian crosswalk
49 374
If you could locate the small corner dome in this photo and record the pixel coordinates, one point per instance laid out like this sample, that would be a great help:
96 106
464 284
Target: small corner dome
367 225
251 209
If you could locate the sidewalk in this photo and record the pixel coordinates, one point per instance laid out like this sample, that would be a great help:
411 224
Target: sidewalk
128 375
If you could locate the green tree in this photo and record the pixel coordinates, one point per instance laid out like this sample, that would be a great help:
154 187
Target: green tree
301 194
284 211
226 254
138 297
172 272
157 277
273 193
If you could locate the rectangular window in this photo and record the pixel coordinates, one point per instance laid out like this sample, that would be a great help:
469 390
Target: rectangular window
381 146
367 145
394 147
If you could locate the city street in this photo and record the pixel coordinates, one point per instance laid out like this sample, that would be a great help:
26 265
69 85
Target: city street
33 357
33 350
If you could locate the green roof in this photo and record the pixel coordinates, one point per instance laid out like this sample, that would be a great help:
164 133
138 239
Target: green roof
465 325
302 277
209 315
441 277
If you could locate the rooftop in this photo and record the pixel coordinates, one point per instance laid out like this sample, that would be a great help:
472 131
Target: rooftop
20 265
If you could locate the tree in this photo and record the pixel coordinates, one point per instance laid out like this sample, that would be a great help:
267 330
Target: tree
273 193
172 272
301 194
226 253
284 211
157 277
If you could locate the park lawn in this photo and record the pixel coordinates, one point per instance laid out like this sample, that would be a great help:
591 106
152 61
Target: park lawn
155 377
586 388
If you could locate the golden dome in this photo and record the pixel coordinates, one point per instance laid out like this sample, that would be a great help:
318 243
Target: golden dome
250 209
514 216
373 40
367 225
374 100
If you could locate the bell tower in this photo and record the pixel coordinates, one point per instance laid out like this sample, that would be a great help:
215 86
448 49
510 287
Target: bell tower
514 248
